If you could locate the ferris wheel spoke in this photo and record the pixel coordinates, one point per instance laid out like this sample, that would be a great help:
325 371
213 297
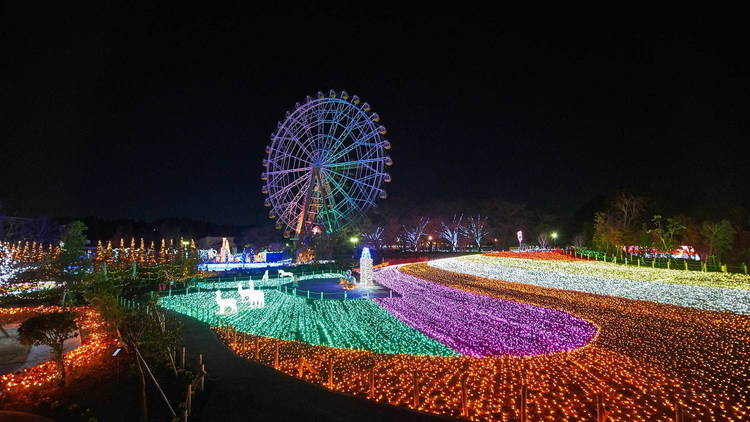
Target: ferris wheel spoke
282 155
368 154
373 175
351 147
362 140
285 171
372 169
353 122
305 128
288 187
303 149
332 129
290 212
345 194
360 181
363 188
342 153
352 164
291 207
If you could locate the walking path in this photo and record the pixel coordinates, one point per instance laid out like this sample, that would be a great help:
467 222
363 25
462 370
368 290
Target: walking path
241 390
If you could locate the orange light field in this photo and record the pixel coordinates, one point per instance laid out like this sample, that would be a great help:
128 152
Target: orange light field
96 343
648 361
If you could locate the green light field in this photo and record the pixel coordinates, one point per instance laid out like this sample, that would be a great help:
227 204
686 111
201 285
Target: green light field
353 324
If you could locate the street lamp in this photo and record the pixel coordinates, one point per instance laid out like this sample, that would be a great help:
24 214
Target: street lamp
353 240
553 235
429 240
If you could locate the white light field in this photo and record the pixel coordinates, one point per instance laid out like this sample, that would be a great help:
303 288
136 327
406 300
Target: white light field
700 297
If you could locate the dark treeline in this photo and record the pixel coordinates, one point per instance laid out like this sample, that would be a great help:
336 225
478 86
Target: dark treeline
502 219
604 223
631 220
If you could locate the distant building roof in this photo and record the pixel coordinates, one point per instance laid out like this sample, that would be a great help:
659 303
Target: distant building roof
214 242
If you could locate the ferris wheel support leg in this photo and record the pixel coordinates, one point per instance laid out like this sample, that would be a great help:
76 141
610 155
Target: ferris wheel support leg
306 203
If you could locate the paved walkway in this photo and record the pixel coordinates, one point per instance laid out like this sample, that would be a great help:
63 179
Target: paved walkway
241 390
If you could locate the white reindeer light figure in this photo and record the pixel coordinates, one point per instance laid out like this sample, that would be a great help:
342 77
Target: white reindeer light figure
283 273
223 304
255 297
265 276
244 294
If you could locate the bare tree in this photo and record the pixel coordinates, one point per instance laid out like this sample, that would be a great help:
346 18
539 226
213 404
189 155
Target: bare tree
43 230
477 229
629 206
413 233
452 231
578 241
543 240
375 237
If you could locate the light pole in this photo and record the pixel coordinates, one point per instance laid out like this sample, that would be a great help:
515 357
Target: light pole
353 240
553 235
429 239
185 246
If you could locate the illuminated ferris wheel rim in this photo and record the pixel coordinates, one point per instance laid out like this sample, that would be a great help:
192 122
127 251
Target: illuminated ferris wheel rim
325 165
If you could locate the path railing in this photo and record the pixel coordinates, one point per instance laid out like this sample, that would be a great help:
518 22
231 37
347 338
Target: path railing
665 263
178 358
312 294
195 386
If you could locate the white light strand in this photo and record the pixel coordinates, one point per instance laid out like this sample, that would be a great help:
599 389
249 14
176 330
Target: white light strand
538 273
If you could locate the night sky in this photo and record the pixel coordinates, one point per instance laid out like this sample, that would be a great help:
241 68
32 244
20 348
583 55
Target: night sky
150 112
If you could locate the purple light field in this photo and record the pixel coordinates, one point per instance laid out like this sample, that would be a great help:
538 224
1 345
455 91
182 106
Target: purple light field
477 325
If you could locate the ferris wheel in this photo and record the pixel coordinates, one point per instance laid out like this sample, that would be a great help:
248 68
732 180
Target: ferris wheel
326 164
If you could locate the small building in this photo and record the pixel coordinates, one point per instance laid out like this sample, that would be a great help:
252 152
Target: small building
215 242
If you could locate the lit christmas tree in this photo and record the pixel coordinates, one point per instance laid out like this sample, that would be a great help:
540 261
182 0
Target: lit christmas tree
142 253
25 256
121 251
150 258
51 252
109 255
16 250
131 252
99 258
163 252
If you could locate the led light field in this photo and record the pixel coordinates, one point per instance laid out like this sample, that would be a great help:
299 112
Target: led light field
477 325
647 360
602 279
556 262
459 344
353 324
